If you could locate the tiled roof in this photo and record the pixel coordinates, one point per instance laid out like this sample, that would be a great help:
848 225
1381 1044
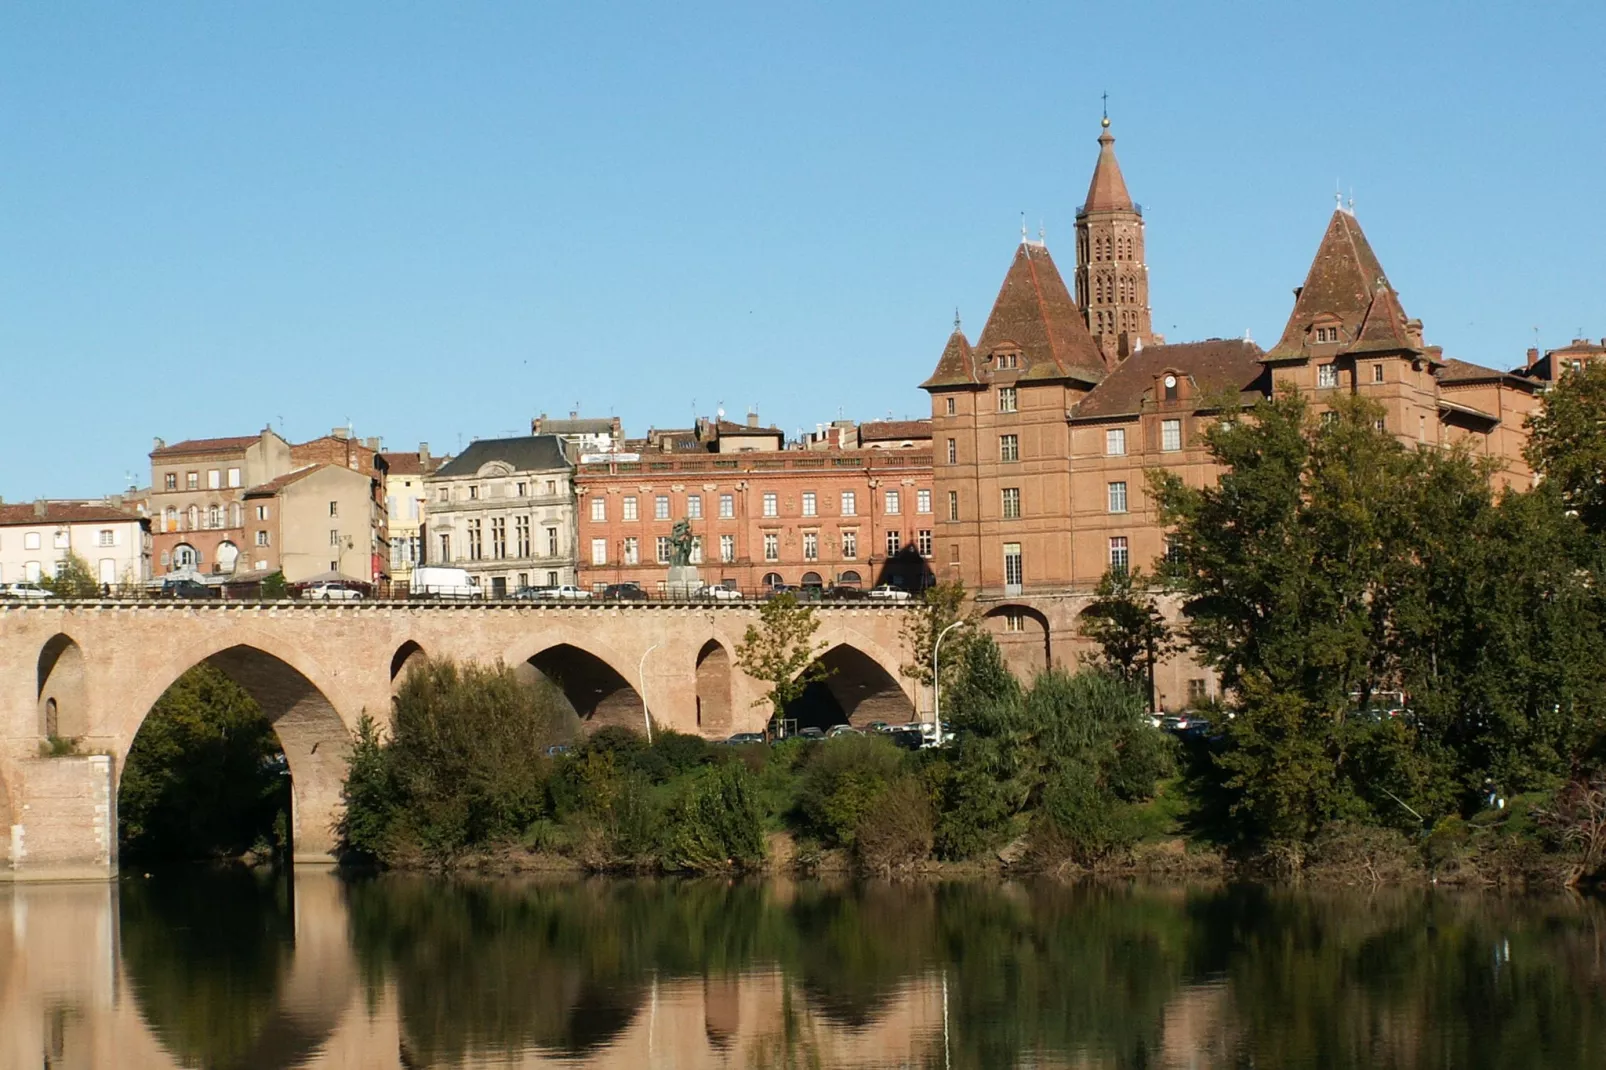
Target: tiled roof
727 428
526 453
1345 281
25 513
884 430
1035 312
207 445
1460 372
956 366
599 425
278 483
1230 364
404 464
1107 192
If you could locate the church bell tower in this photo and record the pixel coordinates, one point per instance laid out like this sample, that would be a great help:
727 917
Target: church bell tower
1112 278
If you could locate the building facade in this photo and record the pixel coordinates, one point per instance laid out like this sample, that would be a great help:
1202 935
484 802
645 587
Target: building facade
197 505
404 509
340 447
504 510
36 539
313 523
1044 429
761 515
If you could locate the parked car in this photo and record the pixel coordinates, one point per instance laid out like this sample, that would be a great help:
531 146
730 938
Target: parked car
879 726
28 592
566 593
842 730
717 593
526 594
845 594
811 733
332 592
743 739
185 589
624 592
889 593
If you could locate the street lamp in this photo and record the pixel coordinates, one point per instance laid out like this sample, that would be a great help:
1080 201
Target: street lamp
641 678
936 678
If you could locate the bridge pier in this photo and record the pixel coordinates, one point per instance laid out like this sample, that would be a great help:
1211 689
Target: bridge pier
63 819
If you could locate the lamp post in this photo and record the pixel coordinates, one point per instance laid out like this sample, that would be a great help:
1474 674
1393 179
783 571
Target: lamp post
641 678
936 678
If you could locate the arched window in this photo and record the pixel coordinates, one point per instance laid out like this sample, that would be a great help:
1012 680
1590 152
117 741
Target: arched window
214 517
811 579
227 554
194 518
849 578
185 557
773 579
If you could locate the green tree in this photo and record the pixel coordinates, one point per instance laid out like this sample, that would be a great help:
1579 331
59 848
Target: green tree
780 651
982 782
940 607
1567 445
72 580
1124 619
274 586
205 776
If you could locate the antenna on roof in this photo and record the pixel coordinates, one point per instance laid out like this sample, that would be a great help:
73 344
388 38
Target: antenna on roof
956 326
1247 338
1352 200
1042 233
1338 195
1023 228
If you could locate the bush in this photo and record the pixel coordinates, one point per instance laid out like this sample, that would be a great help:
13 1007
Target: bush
842 781
898 831
715 825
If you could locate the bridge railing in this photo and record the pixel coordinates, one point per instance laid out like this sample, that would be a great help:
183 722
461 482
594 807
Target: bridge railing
222 593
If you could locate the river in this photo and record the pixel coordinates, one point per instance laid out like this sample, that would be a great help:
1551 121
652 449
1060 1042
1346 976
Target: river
258 973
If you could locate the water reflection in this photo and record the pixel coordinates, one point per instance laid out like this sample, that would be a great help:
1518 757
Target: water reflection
240 972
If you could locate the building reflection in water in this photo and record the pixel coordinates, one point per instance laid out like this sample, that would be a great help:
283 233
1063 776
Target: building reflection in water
245 973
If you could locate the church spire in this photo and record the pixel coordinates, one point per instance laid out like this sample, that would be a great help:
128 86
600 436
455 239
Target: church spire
1112 279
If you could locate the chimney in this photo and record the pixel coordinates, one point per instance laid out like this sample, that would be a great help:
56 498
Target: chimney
39 507
1533 356
752 419
341 433
371 443
423 454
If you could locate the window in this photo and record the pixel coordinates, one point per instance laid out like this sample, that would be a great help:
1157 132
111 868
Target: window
214 479
61 540
850 545
1120 557
951 406
630 507
262 538
1011 503
772 546
107 537
771 504
214 517
1329 418
1014 574
923 542
1170 435
474 540
552 542
1377 373
1197 692
551 579
521 532
1006 399
1009 447
953 451
446 546
894 541
192 481
1173 551
599 551
170 481
599 509
1014 620
953 505
1326 375
632 551
849 503
694 507
334 536
727 548
660 507
444 494
922 501
893 503
473 494
727 506
663 549
1118 497
499 537
234 477
1009 360
696 553
521 489
1115 442
809 506
811 546
1381 424
1327 334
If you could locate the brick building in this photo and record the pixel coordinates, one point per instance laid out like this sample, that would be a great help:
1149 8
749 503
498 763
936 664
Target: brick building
761 514
1044 428
405 509
196 501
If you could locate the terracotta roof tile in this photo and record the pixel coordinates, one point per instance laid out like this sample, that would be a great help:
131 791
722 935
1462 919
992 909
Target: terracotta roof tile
1462 373
278 483
956 366
1212 367
23 513
1035 312
1343 281
885 430
1107 192
207 445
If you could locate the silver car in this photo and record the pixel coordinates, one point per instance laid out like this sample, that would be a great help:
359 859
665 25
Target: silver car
28 592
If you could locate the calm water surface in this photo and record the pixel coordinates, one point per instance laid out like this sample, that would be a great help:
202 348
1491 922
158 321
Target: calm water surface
245 972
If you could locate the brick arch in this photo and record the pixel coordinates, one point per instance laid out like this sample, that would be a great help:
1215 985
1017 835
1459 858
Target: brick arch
409 654
891 662
293 693
601 688
63 692
715 664
859 689
1026 651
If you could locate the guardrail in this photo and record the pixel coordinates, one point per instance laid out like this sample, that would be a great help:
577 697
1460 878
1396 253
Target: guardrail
648 598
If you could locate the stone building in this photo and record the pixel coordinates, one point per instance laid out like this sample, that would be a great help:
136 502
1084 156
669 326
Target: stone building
37 537
1043 430
504 510
341 447
196 501
761 514
313 523
404 509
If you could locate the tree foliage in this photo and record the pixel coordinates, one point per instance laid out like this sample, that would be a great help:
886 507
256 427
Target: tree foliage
1132 634
73 579
941 606
1568 442
780 651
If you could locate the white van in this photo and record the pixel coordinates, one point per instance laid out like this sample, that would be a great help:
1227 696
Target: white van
435 582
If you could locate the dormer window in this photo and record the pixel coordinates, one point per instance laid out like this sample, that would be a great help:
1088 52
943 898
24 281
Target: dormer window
1326 334
1169 385
1006 361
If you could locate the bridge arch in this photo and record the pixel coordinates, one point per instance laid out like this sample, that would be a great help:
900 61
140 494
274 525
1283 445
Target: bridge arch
599 687
294 696
859 688
63 694
1022 635
407 656
714 710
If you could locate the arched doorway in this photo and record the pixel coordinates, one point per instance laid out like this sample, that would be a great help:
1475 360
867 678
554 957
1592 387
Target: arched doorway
595 690
407 656
812 579
185 558
850 578
857 690
773 579
227 554
62 695
1021 633
714 689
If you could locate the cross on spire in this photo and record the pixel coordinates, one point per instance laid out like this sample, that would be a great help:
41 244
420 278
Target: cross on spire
1105 99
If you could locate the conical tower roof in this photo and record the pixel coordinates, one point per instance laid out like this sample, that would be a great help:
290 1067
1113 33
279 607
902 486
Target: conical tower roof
957 365
1344 281
1035 311
1107 192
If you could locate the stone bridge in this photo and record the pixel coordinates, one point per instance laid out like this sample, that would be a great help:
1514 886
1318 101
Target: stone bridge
91 672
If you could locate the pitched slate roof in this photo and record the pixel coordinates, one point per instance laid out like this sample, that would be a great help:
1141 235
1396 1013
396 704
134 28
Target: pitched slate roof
207 445
1461 373
1035 312
25 513
1107 192
1214 366
526 453
956 366
1346 281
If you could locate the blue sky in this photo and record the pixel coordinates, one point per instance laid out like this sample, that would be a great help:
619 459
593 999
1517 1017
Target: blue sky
437 220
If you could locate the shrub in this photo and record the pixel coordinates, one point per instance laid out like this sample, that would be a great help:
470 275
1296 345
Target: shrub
842 781
715 825
898 831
